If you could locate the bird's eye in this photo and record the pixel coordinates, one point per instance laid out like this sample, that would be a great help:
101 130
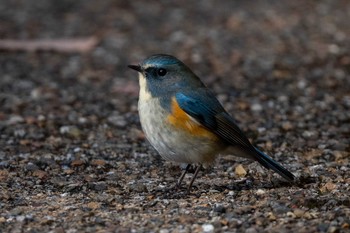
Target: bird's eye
161 72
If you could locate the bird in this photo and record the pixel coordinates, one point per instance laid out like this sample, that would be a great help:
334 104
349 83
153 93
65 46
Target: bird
183 120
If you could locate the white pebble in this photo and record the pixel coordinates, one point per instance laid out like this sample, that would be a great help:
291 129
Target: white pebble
257 107
260 192
208 227
231 193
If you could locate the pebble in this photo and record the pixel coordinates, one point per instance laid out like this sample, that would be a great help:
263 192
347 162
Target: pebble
15 119
280 209
260 192
138 187
99 186
257 107
287 125
240 171
231 193
98 162
290 214
117 120
71 131
40 174
77 163
323 227
308 134
332 229
208 227
93 205
76 149
271 216
31 167
20 218
328 187
251 230
219 208
298 213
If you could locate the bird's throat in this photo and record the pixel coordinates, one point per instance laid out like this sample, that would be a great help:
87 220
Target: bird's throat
144 92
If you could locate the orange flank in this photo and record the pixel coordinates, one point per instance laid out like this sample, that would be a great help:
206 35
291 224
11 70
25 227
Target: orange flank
180 119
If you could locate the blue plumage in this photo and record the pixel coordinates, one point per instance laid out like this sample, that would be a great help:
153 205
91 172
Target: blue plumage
207 110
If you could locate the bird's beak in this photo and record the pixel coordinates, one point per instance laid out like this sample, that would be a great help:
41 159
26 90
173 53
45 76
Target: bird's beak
135 67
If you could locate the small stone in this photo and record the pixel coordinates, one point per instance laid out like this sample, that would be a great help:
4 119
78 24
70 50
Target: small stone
208 227
308 215
280 209
268 145
98 162
99 186
31 167
240 171
3 175
251 230
271 216
328 187
40 174
138 187
69 171
323 227
333 48
257 107
298 213
242 105
287 126
20 218
4 164
15 120
17 211
71 131
77 163
332 229
231 193
219 208
308 134
290 214
93 205
76 150
260 192
117 120
301 84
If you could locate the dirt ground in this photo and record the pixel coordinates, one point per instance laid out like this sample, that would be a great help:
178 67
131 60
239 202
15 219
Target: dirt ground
73 157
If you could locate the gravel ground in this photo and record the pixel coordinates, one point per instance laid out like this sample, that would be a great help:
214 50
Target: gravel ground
73 157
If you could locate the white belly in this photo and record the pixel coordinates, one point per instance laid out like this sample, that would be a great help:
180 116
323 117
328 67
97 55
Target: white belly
173 144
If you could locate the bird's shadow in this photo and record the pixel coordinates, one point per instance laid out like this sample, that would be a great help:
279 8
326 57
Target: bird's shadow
274 183
249 183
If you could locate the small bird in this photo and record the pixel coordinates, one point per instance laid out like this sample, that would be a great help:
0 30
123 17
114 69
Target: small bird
185 123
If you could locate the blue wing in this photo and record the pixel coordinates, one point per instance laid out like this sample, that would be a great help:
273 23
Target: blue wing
206 109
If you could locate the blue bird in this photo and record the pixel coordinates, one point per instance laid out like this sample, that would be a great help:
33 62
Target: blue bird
185 123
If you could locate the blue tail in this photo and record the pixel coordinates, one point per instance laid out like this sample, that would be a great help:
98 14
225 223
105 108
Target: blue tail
269 163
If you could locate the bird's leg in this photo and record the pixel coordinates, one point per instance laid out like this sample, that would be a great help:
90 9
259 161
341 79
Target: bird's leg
194 177
183 175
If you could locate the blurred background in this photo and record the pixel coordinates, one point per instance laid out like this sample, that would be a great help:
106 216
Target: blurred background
262 57
68 102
